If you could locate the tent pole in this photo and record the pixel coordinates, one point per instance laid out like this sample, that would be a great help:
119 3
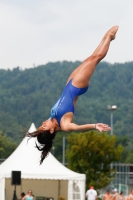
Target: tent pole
58 189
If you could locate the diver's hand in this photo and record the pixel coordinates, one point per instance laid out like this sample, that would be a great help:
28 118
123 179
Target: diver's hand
102 127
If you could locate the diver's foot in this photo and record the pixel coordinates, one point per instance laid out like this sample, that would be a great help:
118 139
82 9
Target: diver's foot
112 32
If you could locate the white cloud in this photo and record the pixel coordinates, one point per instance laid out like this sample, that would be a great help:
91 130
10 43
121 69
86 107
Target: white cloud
42 31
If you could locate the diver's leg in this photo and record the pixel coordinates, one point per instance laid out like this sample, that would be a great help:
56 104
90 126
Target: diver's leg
83 73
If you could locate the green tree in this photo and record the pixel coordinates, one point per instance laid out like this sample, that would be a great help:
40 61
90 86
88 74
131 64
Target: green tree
129 158
92 153
124 141
7 146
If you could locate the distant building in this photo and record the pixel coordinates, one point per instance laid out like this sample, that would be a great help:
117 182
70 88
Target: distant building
123 180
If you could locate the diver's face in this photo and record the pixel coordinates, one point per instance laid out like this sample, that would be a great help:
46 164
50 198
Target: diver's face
47 125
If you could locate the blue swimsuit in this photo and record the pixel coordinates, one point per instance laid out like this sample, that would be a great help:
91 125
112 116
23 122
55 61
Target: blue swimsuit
29 198
65 102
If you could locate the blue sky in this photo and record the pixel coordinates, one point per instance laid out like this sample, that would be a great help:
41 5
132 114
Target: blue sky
35 32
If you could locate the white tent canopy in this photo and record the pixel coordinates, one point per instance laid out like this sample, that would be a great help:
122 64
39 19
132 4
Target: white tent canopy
50 169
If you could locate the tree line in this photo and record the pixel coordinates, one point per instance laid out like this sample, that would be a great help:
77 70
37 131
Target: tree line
27 96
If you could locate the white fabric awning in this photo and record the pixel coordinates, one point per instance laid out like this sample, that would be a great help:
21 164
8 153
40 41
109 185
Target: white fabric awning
26 159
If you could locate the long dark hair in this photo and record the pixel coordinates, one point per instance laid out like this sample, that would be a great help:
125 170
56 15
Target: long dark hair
45 138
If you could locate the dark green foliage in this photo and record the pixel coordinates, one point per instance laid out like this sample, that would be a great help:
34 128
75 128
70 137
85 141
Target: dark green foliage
129 157
92 153
125 142
27 96
7 146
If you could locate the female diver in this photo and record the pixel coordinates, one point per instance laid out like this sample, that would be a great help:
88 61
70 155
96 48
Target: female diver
61 115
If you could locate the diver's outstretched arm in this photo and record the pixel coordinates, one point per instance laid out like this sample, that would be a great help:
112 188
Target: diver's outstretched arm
74 127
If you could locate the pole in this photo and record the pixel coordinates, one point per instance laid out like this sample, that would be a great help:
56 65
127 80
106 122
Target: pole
111 108
63 156
14 194
111 122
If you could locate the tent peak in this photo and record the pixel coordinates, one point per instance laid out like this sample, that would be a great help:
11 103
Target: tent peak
32 128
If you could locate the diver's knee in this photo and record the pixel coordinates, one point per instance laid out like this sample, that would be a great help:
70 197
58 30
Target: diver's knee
95 58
